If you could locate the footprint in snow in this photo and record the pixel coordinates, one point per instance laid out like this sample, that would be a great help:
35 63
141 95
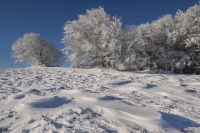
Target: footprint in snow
50 89
120 82
19 96
109 98
191 91
149 86
35 91
4 79
184 85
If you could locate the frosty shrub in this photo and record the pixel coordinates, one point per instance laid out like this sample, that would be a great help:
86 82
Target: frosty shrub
32 48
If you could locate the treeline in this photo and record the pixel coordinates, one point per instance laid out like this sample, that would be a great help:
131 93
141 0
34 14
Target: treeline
170 43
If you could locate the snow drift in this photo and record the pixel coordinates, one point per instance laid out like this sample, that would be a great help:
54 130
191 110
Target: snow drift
97 100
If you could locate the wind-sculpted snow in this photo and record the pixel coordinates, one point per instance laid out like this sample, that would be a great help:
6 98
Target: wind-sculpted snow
49 103
97 100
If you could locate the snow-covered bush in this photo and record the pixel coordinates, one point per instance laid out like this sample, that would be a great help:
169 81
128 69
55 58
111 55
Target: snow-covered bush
93 39
32 48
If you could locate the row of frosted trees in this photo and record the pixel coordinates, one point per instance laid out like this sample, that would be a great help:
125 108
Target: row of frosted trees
169 43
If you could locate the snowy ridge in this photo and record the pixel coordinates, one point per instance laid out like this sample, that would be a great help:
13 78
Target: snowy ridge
95 100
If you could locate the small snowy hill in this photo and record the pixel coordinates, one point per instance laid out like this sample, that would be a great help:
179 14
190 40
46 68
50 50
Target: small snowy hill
68 100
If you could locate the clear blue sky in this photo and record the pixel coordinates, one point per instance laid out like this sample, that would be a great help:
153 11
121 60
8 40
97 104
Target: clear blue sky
47 17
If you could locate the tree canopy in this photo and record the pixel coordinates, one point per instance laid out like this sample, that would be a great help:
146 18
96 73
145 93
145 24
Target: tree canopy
93 39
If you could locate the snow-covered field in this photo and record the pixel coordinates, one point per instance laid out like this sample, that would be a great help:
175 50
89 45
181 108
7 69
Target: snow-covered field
95 100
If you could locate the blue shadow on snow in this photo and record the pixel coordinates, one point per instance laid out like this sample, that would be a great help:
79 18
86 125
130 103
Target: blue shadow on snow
178 122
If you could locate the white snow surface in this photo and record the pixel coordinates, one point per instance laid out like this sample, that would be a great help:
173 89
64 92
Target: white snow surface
68 100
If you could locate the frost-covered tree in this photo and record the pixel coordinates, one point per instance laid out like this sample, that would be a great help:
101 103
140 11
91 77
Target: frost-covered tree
185 39
93 39
32 48
157 48
169 43
133 54
147 44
